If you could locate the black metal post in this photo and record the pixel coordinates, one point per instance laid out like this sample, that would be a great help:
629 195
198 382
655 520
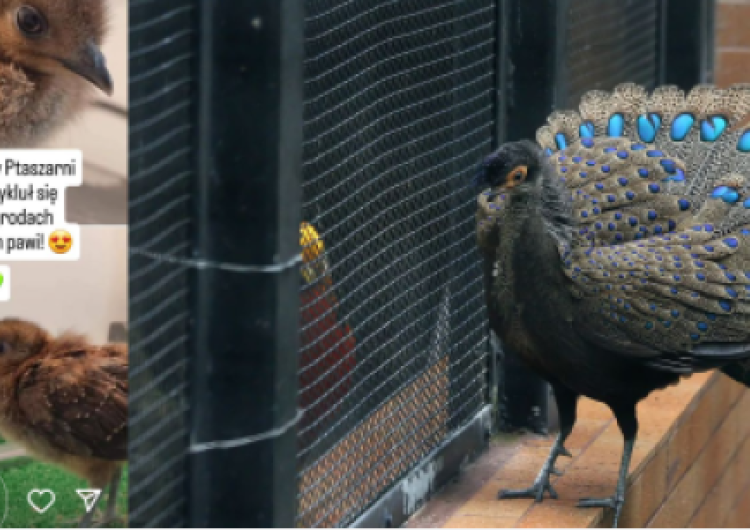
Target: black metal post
244 391
536 74
535 82
687 40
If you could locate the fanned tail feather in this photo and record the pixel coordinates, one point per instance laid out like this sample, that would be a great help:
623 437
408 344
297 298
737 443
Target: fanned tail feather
660 185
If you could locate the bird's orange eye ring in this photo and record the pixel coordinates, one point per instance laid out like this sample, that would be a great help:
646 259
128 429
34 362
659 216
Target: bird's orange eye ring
515 176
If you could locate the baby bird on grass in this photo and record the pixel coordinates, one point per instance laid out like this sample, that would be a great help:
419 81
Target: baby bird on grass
66 402
49 59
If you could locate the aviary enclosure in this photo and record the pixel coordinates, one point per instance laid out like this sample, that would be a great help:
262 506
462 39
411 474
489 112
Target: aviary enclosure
315 203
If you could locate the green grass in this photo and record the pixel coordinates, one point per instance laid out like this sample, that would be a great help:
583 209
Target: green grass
23 474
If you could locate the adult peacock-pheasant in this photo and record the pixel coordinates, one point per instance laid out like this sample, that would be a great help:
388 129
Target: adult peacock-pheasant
617 250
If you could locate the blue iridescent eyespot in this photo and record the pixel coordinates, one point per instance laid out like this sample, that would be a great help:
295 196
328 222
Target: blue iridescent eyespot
731 197
561 141
726 194
668 165
712 128
719 191
743 144
648 125
586 130
616 125
731 242
679 176
681 126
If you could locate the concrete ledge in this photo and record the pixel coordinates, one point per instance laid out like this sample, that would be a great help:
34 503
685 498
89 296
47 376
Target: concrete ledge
689 467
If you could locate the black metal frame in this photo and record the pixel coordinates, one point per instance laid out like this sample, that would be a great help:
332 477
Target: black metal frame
247 297
535 84
687 53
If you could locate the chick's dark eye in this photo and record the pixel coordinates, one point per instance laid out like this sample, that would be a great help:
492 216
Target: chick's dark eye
517 176
30 21
4 347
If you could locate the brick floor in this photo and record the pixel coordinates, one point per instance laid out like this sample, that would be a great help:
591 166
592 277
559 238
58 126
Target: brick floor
687 467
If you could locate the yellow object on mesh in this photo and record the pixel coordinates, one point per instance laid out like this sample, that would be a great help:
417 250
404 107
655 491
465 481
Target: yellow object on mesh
312 244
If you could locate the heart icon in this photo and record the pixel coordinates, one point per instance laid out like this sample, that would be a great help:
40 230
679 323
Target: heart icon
36 500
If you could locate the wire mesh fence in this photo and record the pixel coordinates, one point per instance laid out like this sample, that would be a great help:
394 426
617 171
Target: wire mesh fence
398 110
610 43
160 180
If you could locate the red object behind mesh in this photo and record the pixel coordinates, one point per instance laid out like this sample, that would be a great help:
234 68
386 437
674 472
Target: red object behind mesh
327 359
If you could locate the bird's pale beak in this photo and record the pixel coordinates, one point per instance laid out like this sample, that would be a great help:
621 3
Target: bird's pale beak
92 66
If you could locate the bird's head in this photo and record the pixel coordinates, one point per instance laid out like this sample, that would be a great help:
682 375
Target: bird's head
515 168
519 173
20 339
56 38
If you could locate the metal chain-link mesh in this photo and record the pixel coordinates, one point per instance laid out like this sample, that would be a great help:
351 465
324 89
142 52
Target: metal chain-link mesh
398 112
609 43
161 176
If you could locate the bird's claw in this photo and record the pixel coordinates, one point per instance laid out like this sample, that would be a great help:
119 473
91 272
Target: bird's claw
535 492
564 452
607 502
557 472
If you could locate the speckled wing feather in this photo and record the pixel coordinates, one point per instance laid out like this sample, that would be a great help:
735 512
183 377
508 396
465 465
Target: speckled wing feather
660 256
77 401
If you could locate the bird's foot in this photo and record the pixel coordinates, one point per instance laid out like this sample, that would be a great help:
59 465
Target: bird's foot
535 492
615 503
542 483
557 472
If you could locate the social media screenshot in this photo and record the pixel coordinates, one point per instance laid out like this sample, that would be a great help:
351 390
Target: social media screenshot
63 264
374 263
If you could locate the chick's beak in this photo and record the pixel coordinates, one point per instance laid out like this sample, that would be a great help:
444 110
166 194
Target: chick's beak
90 64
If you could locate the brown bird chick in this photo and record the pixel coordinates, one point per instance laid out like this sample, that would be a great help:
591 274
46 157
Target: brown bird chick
66 402
49 59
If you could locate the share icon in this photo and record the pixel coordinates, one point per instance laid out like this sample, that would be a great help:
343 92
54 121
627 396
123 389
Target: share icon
89 496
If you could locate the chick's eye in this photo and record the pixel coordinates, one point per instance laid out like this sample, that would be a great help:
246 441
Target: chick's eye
517 176
4 347
30 21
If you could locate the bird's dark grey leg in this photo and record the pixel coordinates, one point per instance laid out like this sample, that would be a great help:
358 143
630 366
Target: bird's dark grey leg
629 427
111 513
566 405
